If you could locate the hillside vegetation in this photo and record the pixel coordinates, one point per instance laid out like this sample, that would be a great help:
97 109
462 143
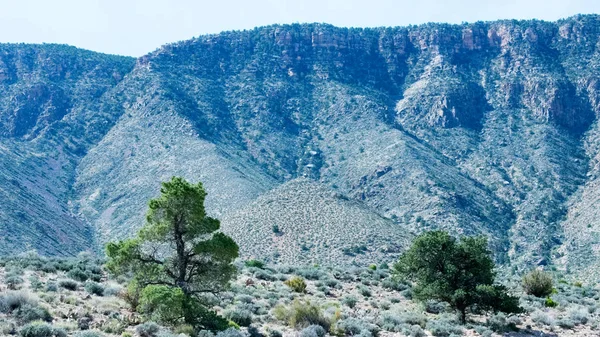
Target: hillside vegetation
75 297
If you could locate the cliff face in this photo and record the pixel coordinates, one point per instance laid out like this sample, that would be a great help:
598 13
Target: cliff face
55 104
476 128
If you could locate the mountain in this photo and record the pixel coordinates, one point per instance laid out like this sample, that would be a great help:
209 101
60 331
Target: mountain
482 128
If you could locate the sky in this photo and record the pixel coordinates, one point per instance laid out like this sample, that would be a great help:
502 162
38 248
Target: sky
137 27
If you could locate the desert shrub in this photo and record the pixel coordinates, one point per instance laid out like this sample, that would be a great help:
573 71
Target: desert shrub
413 318
286 269
350 301
401 321
35 283
355 327
14 270
565 323
254 263
49 298
13 300
297 284
366 292
94 288
302 314
434 307
275 333
48 267
324 289
241 317
380 274
40 329
385 305
445 325
578 315
416 331
313 331
310 273
165 333
500 323
23 308
7 328
29 312
529 305
264 274
243 298
487 333
185 329
537 283
550 303
231 332
113 326
51 286
276 229
13 281
332 283
88 334
542 318
205 333
355 250
253 331
68 284
78 275
112 290
393 284
148 329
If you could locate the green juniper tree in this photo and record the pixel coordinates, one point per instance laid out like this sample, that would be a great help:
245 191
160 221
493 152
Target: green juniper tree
176 258
459 272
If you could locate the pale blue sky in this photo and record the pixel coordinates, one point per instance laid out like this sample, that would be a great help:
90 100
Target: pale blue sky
136 27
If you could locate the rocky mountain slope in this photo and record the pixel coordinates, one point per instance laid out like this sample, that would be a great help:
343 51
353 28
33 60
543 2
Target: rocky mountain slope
483 128
302 220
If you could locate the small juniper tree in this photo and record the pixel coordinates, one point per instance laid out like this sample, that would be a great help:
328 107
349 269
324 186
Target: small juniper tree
459 272
177 257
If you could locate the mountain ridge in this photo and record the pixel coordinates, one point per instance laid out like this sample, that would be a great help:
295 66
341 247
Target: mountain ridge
482 128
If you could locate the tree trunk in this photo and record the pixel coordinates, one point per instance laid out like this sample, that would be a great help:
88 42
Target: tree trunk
181 256
188 314
463 315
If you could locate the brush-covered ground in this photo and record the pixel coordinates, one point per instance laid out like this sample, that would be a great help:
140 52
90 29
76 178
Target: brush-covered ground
44 297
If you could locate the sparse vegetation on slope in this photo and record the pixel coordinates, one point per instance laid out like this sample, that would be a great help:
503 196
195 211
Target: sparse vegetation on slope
266 306
316 225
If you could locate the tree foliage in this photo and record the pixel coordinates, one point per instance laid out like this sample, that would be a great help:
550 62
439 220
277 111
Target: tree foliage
176 257
459 272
